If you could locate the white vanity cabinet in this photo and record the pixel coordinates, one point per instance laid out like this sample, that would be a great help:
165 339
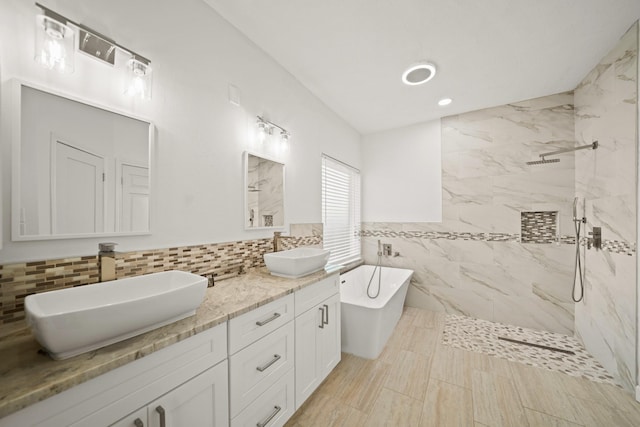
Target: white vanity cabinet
317 335
188 379
261 370
254 370
202 401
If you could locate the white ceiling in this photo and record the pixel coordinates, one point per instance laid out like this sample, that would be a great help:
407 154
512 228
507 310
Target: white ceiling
351 53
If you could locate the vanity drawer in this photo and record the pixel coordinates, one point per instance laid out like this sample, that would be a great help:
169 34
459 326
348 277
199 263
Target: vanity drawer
257 367
251 326
313 295
272 408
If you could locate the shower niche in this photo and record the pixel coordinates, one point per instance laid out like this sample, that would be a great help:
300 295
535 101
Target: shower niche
539 227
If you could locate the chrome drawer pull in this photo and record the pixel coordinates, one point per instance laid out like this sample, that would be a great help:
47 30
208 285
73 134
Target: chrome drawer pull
276 409
270 319
321 325
160 410
262 368
326 312
138 423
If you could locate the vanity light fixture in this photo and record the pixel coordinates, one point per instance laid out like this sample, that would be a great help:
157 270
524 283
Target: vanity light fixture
265 127
444 102
55 42
419 74
55 46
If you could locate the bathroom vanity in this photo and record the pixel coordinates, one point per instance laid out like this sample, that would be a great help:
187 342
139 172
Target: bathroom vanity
236 362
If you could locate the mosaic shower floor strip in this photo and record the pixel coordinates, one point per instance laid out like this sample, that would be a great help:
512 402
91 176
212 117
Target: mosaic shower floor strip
482 336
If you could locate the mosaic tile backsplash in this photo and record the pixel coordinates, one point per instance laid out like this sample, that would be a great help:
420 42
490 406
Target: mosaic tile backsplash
216 261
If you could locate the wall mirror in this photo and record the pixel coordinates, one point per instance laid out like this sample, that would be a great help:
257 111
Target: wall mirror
264 192
78 170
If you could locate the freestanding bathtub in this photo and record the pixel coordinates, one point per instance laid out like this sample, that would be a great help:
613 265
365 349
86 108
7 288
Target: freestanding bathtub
368 323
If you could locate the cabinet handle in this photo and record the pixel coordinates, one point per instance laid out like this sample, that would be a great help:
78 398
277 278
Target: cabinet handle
326 313
321 325
138 422
262 368
163 421
270 319
276 409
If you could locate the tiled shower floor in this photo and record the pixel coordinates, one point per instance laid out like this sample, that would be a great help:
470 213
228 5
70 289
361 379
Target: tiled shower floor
481 336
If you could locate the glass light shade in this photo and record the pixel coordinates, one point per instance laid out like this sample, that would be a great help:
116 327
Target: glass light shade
262 130
55 44
139 78
284 140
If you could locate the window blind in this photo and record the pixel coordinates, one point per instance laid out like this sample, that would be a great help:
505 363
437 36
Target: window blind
341 211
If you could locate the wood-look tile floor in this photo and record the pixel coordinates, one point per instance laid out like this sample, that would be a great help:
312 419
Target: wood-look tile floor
418 381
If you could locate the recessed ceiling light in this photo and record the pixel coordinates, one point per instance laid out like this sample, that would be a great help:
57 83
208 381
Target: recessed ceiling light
419 74
444 101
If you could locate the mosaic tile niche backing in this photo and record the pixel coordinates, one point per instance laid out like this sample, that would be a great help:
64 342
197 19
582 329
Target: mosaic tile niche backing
216 261
538 227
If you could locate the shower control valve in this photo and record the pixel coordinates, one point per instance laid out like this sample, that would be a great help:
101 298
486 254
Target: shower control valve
387 249
596 240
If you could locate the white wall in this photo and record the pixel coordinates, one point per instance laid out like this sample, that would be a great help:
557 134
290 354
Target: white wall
197 161
401 176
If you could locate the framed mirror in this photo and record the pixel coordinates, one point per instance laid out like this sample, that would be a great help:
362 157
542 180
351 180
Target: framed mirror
263 192
78 169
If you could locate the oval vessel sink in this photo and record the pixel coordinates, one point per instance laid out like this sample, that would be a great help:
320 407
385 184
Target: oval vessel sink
72 321
296 262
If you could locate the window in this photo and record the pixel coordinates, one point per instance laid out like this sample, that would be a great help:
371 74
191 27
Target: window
341 210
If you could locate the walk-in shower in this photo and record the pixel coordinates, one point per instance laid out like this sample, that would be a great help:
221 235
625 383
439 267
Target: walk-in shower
578 275
543 160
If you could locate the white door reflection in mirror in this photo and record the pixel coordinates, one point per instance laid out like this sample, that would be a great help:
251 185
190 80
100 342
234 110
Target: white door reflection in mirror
79 170
77 178
134 215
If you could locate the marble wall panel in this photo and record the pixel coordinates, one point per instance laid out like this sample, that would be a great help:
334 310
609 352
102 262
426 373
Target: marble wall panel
472 263
607 111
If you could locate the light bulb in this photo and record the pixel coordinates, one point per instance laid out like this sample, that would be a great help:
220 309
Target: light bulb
55 43
139 79
262 130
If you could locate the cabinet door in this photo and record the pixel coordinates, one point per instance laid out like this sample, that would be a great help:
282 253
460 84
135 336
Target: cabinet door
136 419
200 402
330 343
308 364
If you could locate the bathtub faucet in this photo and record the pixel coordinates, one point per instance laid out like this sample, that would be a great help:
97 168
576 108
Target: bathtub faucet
379 248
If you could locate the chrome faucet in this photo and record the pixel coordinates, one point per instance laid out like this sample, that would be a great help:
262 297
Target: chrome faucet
107 261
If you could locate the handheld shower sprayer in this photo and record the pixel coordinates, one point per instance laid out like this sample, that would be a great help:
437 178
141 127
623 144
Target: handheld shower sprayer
577 268
575 212
378 268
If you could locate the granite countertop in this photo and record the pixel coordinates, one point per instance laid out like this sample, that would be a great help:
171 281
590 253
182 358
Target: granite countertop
29 376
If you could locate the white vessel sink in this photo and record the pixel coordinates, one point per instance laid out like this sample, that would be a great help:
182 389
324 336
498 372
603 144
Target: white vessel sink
296 262
76 320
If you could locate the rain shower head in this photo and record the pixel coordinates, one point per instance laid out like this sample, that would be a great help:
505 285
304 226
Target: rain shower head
543 161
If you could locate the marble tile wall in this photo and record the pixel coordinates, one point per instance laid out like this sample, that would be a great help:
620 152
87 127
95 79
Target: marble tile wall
607 111
303 235
473 263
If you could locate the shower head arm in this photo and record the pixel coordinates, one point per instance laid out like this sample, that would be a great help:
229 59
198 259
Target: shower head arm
592 146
